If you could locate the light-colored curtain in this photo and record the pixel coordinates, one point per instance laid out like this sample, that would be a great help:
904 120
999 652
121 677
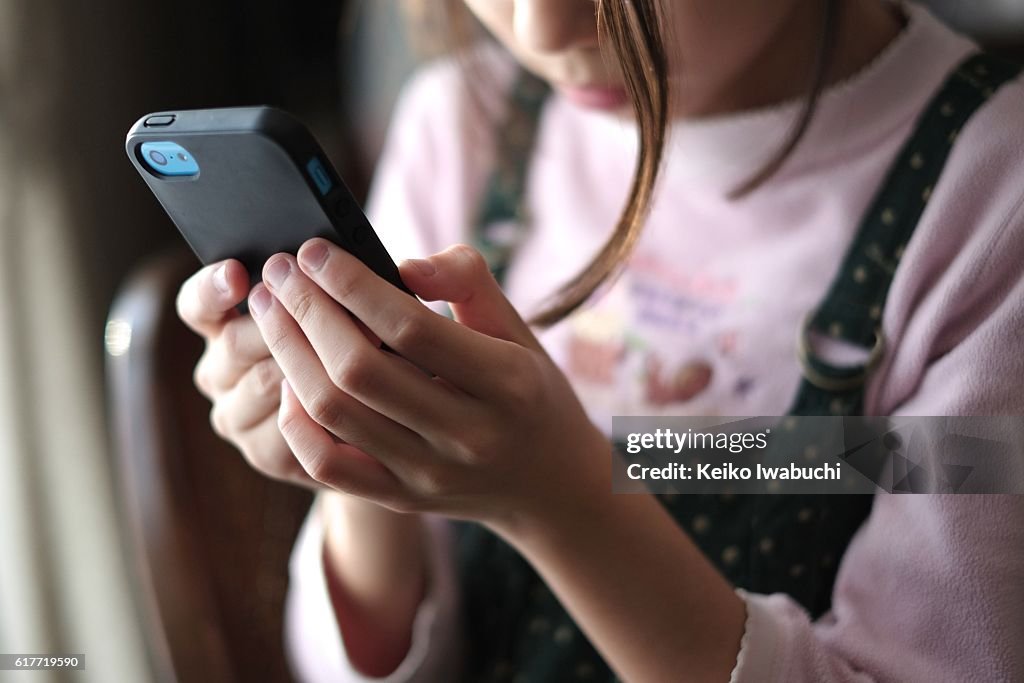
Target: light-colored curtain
64 583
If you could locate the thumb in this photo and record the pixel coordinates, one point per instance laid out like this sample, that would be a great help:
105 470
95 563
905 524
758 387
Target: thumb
459 275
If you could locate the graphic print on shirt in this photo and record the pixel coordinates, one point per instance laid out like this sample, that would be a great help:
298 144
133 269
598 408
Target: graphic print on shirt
657 337
667 385
597 344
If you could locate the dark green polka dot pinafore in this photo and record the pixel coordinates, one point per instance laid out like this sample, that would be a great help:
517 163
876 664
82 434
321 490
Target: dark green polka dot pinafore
515 629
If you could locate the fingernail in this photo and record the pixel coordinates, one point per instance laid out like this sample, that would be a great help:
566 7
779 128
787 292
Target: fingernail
285 389
314 256
220 279
259 301
277 271
424 266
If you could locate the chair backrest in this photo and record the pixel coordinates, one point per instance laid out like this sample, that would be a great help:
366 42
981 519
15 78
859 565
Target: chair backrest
209 537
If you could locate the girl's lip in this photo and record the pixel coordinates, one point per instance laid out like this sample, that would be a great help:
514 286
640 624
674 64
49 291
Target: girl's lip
608 98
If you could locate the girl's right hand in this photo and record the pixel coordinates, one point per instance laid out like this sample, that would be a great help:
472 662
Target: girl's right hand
237 372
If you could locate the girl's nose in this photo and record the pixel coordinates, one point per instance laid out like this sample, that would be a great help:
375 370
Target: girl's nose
555 25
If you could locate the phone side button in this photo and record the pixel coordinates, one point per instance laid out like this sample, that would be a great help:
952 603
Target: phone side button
360 231
341 207
343 211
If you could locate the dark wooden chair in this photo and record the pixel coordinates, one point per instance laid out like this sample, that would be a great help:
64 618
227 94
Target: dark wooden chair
209 537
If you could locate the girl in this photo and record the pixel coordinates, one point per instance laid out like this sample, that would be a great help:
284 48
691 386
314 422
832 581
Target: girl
805 164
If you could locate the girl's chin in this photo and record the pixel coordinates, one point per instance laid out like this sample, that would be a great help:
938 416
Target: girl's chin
602 98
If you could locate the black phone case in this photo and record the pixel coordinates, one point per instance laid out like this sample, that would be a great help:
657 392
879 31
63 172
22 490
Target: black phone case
254 195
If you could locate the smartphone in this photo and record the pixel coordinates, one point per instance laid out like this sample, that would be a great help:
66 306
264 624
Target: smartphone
247 183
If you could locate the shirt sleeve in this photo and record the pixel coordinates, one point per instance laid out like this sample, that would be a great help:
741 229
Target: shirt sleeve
314 642
932 586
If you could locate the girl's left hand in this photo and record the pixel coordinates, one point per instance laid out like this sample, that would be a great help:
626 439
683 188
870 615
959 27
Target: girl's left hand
496 435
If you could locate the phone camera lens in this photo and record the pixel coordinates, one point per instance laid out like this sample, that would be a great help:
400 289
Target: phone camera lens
158 158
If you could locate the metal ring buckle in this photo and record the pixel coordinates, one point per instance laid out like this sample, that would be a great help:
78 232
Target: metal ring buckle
825 382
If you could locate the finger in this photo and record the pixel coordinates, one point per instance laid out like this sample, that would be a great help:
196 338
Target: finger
460 276
341 466
267 452
208 298
325 403
464 357
256 396
235 349
395 389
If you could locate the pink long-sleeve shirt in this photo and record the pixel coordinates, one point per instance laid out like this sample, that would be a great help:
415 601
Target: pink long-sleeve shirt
703 322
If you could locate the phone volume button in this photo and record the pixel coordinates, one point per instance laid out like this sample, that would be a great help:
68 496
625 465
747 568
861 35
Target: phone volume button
343 211
341 208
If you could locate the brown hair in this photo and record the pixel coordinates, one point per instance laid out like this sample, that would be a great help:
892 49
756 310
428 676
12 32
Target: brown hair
633 29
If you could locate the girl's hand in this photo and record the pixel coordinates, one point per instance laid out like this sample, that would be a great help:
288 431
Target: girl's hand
237 372
496 434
